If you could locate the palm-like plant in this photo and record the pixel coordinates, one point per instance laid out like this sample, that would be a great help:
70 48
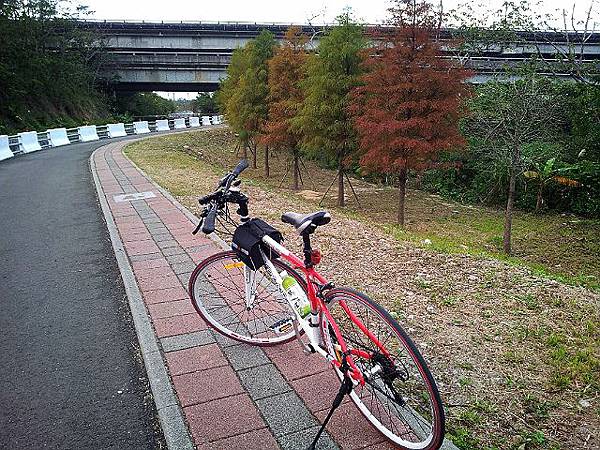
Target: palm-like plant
549 172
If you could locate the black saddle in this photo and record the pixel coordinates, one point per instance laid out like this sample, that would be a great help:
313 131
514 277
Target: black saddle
306 223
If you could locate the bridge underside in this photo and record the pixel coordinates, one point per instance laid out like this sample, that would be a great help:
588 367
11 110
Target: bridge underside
161 78
193 85
193 57
165 87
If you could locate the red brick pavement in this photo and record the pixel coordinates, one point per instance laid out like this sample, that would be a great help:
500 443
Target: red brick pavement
219 411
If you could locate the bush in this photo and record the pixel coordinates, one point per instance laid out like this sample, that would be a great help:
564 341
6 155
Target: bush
145 104
47 75
578 148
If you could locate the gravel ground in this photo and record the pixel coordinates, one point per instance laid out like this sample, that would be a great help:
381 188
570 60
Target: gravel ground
516 356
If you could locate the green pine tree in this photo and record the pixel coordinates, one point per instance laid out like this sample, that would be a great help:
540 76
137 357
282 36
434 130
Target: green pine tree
332 73
227 95
244 92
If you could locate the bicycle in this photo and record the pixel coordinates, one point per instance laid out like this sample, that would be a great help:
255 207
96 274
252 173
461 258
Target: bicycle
251 294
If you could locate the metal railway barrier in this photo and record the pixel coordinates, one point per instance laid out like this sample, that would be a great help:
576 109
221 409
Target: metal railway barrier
30 141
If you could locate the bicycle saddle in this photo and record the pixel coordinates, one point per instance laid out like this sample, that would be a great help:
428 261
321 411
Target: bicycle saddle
308 222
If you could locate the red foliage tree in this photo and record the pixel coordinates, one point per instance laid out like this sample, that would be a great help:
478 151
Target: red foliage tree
286 70
406 111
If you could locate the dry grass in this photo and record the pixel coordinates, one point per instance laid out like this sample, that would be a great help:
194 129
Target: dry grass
565 246
516 356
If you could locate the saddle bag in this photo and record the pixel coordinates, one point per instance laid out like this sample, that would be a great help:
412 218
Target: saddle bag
247 242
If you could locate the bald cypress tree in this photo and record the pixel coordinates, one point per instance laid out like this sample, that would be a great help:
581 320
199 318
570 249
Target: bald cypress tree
244 92
254 85
332 73
228 95
407 109
286 71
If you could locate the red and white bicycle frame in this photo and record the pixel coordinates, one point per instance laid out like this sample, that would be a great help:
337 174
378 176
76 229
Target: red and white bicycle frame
314 323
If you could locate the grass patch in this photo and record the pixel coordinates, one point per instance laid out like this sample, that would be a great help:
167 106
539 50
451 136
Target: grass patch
464 440
437 241
575 359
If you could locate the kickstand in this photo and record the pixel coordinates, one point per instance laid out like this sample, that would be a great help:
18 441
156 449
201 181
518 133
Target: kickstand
345 388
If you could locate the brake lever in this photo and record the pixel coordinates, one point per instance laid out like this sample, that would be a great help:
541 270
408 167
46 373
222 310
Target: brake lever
224 180
199 227
202 216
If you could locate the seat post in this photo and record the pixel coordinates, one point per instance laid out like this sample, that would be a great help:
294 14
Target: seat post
307 249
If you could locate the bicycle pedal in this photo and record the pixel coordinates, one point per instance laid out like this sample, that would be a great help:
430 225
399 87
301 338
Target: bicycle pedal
283 326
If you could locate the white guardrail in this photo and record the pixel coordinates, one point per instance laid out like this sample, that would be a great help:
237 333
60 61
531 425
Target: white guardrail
31 141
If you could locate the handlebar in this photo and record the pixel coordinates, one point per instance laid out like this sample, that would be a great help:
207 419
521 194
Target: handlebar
243 165
228 179
209 221
217 199
208 198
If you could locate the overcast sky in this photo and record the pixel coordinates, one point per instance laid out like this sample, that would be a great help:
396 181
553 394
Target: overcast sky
268 11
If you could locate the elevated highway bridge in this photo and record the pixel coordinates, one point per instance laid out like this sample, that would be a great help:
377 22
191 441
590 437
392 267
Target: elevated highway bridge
146 56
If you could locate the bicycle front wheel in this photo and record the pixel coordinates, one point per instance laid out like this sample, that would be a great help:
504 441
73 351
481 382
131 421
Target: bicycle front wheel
219 292
399 397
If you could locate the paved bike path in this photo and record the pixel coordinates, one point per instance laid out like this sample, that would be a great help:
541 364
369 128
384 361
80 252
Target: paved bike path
70 372
228 395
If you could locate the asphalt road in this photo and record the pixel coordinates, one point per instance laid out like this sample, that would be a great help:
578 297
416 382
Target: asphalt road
71 374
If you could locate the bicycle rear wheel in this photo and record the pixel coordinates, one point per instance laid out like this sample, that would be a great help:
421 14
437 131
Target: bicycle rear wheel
400 397
217 289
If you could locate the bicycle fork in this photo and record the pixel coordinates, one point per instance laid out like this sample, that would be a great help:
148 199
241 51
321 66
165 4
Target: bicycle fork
250 286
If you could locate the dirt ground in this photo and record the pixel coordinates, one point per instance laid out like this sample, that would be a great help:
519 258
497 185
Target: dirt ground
561 244
516 355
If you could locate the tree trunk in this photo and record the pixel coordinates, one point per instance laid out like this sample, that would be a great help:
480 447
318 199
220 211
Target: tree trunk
402 177
267 168
296 171
341 196
540 198
254 166
419 180
508 215
510 203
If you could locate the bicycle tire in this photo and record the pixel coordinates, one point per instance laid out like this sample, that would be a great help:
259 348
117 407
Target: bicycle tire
394 383
221 301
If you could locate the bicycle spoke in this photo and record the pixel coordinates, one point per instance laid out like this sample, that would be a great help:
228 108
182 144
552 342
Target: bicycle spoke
395 394
219 291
